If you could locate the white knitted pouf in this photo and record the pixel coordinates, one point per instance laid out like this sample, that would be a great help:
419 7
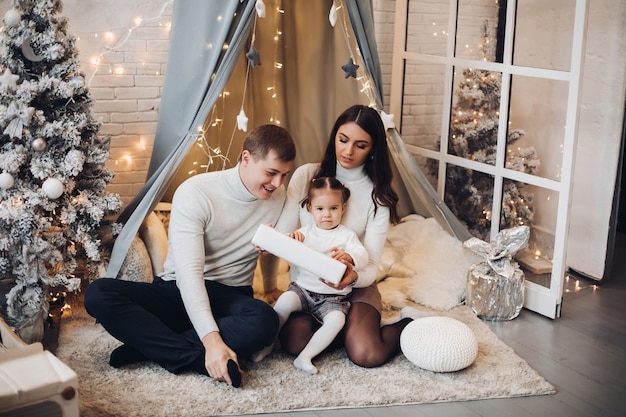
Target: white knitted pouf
439 344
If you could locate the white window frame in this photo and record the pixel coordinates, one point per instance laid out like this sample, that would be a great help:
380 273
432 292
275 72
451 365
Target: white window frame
543 300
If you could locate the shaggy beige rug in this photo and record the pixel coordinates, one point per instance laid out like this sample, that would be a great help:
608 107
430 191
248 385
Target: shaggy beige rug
416 267
275 385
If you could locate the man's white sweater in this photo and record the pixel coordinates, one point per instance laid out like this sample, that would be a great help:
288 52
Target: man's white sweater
213 220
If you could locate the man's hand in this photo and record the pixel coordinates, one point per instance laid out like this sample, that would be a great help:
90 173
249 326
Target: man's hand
341 256
260 250
216 357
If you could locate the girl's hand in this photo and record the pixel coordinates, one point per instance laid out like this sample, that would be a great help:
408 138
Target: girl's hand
341 256
297 236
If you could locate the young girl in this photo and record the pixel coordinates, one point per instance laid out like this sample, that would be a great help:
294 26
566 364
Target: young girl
326 202
358 156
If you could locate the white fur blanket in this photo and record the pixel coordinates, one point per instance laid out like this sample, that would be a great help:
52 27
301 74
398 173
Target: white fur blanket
422 263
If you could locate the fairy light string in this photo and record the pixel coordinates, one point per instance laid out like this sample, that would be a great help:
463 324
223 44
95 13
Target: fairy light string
112 43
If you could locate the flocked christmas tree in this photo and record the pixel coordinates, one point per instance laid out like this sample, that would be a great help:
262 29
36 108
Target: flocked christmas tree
474 135
54 207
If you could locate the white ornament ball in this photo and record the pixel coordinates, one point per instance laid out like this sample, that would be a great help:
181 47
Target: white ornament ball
11 18
439 344
77 82
6 181
39 144
52 188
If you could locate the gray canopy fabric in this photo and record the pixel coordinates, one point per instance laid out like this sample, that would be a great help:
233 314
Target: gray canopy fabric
207 44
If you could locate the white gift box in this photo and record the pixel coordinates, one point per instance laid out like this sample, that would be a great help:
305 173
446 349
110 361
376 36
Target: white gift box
299 254
33 381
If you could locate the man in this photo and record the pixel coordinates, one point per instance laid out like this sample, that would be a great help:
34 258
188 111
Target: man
199 314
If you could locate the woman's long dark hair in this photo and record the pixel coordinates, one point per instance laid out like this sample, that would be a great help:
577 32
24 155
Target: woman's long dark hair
377 166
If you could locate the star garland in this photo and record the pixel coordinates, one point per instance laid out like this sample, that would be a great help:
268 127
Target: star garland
387 120
332 15
253 56
350 68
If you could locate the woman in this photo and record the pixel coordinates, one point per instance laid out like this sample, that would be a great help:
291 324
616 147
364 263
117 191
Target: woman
357 155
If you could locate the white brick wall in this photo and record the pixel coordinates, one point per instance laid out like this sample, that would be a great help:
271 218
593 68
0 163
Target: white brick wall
126 84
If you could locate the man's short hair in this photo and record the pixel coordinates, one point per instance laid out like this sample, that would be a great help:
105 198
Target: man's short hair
266 138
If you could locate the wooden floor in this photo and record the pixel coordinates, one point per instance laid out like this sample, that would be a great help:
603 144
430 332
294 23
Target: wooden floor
583 354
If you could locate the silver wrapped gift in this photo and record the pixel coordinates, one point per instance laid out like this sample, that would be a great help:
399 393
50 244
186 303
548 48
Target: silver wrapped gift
495 286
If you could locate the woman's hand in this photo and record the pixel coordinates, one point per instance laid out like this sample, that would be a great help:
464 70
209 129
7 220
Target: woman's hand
349 278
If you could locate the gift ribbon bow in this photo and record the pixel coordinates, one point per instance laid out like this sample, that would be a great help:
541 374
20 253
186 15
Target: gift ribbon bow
19 117
500 251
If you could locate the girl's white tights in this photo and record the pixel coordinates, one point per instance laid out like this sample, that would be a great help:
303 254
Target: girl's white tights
333 322
321 339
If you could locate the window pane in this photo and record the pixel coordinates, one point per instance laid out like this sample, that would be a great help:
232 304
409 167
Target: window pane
535 207
430 168
469 194
477 30
543 33
475 114
537 126
427 25
422 105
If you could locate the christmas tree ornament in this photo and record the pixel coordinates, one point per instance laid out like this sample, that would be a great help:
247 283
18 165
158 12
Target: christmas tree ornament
350 68
11 18
19 117
52 188
8 79
77 82
6 181
260 8
29 52
38 144
242 121
332 16
253 56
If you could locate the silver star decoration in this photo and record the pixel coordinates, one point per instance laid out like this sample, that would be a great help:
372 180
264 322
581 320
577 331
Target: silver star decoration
8 79
350 68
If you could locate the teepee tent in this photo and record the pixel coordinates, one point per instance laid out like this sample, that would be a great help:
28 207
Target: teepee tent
219 50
